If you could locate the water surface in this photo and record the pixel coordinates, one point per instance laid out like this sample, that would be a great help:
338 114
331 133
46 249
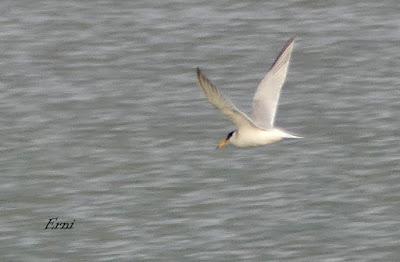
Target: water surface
102 122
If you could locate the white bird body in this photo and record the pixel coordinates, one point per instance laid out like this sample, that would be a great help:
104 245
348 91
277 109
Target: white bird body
258 137
259 130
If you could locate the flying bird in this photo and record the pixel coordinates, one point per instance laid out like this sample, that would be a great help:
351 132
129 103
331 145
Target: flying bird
258 130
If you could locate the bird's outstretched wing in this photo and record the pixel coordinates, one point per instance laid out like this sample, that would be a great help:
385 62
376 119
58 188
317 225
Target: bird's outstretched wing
215 97
265 101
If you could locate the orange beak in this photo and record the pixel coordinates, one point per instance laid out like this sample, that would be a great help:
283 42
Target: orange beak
223 143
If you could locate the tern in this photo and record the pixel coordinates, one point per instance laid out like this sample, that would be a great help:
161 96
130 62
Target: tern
258 130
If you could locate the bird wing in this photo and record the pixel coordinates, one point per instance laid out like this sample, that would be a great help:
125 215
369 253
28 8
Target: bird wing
265 101
215 97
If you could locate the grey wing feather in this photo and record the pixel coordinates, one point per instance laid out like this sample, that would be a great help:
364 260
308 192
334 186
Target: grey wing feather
216 98
265 101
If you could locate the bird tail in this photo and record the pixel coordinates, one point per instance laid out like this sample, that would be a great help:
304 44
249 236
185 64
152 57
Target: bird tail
288 135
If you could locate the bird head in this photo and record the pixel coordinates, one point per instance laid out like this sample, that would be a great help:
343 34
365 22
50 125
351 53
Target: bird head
225 141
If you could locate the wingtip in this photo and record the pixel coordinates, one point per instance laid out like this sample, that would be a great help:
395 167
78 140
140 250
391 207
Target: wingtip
198 71
290 41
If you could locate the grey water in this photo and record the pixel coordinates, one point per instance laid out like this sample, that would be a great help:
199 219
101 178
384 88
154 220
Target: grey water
102 123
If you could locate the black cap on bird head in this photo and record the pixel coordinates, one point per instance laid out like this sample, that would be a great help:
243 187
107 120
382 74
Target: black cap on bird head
224 142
